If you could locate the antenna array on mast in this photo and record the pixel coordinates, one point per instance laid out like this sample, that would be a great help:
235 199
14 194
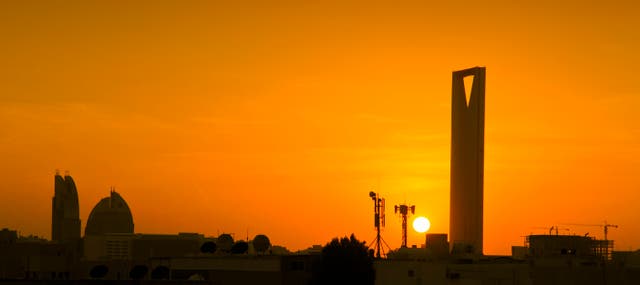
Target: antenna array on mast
378 223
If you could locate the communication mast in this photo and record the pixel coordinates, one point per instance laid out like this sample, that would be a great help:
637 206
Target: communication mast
378 223
404 211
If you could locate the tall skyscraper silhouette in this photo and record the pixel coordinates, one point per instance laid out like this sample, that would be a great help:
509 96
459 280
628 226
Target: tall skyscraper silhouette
467 160
65 216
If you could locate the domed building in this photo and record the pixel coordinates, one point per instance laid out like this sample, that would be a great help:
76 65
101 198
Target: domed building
110 215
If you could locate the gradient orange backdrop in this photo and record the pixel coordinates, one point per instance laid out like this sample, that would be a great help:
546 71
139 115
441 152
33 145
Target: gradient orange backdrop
280 117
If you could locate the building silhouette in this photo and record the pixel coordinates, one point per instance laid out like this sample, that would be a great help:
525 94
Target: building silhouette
543 259
112 253
110 250
467 161
65 214
110 215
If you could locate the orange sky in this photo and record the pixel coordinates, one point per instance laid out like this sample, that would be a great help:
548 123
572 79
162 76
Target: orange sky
279 118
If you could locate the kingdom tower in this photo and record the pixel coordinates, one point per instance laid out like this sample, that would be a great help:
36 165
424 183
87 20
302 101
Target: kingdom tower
467 161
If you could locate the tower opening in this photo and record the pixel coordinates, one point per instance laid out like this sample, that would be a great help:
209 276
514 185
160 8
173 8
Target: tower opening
468 87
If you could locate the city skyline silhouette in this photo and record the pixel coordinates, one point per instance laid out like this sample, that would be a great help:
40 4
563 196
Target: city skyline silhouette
223 118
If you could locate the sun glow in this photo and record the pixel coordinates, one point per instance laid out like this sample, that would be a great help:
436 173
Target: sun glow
421 224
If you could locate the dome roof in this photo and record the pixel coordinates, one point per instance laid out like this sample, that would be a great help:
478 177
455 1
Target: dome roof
110 215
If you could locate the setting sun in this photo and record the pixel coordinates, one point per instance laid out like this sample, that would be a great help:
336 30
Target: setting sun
421 224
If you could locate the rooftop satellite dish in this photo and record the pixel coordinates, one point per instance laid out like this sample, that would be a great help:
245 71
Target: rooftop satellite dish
208 247
261 243
225 242
240 247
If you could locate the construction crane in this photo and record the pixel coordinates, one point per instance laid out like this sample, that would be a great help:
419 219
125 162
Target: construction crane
604 247
606 227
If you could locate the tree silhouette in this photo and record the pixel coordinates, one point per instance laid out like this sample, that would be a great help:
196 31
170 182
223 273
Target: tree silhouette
345 261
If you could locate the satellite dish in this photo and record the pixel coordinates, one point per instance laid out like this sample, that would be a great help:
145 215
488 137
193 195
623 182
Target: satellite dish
208 247
240 247
225 242
261 243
